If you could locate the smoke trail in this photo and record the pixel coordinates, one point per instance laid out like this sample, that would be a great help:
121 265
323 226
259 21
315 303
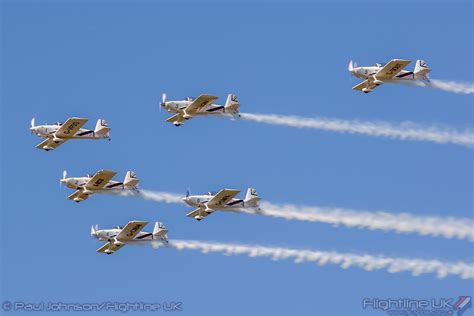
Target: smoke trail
450 86
448 227
403 131
344 260
162 197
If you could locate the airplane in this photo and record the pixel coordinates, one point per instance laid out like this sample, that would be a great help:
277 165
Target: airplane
202 105
100 182
131 233
392 71
223 201
58 133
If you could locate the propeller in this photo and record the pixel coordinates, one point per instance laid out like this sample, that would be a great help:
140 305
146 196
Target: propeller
187 192
351 66
94 230
63 180
163 100
32 125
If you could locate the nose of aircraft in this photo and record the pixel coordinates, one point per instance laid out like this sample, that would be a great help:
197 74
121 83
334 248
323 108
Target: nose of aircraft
163 100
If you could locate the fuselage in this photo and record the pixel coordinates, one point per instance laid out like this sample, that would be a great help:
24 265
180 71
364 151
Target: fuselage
367 72
201 200
47 131
80 182
110 234
179 106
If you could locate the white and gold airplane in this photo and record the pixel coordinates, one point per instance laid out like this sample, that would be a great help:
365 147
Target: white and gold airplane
58 133
222 201
392 71
202 105
100 182
117 237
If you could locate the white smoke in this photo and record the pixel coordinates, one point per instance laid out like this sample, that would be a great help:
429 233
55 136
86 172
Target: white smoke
344 260
447 227
450 86
162 197
403 131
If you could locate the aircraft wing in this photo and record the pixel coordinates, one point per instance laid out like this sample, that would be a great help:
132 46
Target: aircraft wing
222 197
100 179
200 102
48 144
176 118
131 230
365 84
79 194
70 127
109 248
392 68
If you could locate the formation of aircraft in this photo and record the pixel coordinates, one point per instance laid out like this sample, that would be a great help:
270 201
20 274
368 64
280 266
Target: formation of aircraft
223 201
202 105
57 134
378 74
101 181
131 233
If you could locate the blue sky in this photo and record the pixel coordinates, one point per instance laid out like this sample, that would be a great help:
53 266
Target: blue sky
113 61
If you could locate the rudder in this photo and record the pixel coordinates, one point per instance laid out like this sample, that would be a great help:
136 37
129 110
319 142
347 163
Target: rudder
232 104
131 180
160 231
252 198
421 70
102 128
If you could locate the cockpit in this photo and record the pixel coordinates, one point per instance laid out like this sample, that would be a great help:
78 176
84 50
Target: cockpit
188 99
378 65
119 227
59 124
212 193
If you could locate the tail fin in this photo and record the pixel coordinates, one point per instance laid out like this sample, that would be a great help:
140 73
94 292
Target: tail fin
160 231
131 180
232 104
252 198
421 70
102 129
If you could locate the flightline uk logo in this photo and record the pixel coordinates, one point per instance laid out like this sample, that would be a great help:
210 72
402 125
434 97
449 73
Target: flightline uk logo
425 307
